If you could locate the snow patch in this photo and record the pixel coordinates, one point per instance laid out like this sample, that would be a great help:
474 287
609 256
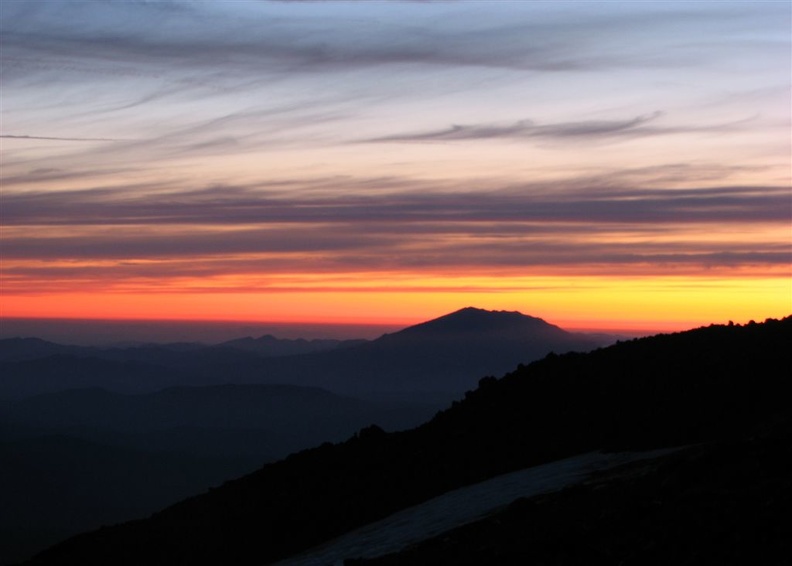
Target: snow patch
459 507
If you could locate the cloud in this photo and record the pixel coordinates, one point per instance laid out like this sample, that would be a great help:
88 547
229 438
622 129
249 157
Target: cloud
179 79
246 39
48 138
577 130
121 237
178 94
225 205
528 129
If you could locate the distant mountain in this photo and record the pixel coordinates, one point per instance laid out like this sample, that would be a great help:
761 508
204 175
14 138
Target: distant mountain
59 372
441 358
269 346
20 349
709 385
471 322
24 349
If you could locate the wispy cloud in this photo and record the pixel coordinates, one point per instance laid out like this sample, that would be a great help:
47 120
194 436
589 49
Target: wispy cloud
125 237
583 130
559 202
53 138
529 129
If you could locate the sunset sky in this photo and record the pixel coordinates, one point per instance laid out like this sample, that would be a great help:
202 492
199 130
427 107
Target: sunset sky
597 164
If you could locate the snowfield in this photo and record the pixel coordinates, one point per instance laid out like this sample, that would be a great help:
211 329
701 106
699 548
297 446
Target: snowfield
459 507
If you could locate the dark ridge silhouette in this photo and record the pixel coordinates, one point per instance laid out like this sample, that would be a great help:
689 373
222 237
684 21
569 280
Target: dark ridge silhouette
20 349
268 421
153 449
718 504
59 372
706 385
270 346
472 321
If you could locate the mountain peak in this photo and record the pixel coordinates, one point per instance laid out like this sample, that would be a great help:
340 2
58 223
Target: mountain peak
475 311
473 320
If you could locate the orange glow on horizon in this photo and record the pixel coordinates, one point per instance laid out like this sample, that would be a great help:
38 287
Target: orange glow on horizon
637 304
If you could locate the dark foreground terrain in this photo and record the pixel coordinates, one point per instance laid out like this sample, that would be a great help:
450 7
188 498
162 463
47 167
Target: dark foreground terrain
717 504
722 387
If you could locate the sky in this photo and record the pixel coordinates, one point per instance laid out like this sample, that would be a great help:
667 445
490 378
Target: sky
602 165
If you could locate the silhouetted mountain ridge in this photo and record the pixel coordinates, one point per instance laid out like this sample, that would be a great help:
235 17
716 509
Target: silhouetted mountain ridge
270 346
472 321
713 504
290 415
20 349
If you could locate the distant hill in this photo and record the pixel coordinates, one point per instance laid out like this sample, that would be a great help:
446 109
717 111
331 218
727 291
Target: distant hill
60 372
270 346
19 349
75 460
54 486
714 384
268 421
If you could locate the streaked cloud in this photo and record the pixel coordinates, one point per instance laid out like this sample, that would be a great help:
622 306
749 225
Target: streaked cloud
127 237
584 130
229 205
21 137
529 129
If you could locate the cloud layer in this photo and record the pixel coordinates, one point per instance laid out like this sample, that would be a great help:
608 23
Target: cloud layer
224 231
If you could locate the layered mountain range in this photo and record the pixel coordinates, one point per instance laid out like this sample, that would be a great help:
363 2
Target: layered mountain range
158 422
709 393
442 357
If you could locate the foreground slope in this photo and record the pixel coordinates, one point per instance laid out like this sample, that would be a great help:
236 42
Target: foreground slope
55 486
714 504
74 460
266 421
704 385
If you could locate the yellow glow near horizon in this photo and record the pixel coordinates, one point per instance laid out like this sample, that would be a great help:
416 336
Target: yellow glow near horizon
651 303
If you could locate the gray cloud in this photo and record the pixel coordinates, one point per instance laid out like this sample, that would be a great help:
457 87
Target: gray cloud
183 36
229 205
579 130
9 136
141 236
527 129
288 45
152 54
